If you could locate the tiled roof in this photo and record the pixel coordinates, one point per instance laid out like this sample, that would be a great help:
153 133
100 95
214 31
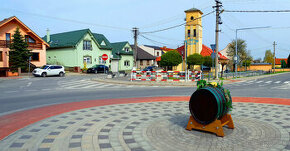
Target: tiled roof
143 55
154 47
192 10
278 60
71 38
100 38
6 20
118 47
206 51
66 39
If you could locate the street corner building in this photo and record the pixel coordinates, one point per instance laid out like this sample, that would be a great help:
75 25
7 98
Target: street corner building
35 43
78 49
122 57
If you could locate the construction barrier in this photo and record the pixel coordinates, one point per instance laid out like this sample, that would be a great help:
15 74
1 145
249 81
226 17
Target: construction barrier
165 76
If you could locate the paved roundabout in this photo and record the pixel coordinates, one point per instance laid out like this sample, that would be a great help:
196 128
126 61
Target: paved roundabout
153 126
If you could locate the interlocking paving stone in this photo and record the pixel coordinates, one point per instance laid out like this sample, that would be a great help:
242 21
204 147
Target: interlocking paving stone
154 126
74 145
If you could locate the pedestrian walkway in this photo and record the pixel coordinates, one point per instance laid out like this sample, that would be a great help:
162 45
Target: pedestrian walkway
145 124
89 84
262 83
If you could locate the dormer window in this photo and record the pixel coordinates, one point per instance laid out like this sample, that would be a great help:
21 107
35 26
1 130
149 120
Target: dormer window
126 49
103 43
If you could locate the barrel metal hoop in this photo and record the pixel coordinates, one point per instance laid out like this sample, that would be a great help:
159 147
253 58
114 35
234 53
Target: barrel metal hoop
220 102
223 94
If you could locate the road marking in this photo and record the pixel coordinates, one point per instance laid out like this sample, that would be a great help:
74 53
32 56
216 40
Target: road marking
277 81
259 81
268 82
287 82
29 84
10 91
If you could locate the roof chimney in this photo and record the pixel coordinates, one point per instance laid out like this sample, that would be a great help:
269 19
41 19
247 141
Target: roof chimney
47 35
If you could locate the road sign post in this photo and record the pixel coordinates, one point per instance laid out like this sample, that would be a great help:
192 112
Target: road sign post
105 57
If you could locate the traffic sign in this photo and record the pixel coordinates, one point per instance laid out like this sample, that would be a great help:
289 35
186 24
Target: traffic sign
105 57
213 55
213 46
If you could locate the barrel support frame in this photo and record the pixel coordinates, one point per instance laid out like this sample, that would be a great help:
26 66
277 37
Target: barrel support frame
214 127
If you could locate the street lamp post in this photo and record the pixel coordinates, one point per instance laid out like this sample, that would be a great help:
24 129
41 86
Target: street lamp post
236 55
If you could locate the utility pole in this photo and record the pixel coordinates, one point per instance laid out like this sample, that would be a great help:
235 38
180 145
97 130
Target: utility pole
218 22
274 44
135 32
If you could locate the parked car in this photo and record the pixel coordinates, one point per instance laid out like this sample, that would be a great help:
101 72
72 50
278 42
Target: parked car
49 70
98 69
153 68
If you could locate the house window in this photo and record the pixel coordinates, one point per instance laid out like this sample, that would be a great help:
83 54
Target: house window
35 56
191 18
157 54
1 57
103 43
29 39
188 33
101 61
148 62
126 49
126 63
8 36
194 33
87 45
141 62
88 60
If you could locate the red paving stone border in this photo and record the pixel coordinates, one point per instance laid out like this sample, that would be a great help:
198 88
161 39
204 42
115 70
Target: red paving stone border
15 121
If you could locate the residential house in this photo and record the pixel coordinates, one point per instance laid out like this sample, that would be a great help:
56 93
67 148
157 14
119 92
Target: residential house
144 58
35 43
122 57
78 49
278 62
154 51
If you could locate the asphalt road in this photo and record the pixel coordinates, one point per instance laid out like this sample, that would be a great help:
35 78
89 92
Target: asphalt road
26 93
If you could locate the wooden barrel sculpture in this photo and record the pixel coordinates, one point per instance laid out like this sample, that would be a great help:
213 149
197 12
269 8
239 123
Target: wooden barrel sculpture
208 104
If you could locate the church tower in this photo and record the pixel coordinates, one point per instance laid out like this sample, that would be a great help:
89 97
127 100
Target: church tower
193 31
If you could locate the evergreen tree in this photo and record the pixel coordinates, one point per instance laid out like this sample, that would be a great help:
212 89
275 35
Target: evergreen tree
283 64
288 61
19 54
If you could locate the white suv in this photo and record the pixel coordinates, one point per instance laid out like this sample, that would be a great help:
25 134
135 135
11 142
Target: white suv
49 70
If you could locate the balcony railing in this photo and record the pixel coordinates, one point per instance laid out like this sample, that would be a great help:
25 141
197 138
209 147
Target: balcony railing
6 44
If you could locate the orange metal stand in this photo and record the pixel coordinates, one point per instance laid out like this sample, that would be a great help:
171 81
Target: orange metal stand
214 127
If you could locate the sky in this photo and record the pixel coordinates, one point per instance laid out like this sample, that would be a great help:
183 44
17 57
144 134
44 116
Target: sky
116 18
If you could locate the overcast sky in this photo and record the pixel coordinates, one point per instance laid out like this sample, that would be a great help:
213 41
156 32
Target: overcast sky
116 18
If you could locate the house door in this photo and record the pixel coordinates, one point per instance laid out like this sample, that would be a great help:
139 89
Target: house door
114 65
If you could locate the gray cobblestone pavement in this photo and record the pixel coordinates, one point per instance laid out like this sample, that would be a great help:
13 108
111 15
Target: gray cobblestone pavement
153 126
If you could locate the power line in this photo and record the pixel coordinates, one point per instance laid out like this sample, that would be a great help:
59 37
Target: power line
178 25
154 41
257 11
161 37
68 20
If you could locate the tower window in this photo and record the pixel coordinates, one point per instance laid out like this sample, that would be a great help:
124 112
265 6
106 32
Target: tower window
194 33
191 18
188 33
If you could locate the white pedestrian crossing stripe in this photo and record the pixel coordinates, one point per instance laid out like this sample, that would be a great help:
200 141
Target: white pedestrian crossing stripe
89 84
276 84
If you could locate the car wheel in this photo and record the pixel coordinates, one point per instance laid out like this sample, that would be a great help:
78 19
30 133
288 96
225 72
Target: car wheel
61 74
43 74
96 71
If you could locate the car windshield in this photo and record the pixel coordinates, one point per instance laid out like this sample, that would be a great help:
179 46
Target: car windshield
44 67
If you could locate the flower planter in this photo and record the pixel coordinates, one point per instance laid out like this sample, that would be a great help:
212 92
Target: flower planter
12 74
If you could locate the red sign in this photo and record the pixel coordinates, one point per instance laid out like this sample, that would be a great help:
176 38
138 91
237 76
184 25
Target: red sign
105 57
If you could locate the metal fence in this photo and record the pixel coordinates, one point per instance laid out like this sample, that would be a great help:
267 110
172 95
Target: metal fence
231 75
